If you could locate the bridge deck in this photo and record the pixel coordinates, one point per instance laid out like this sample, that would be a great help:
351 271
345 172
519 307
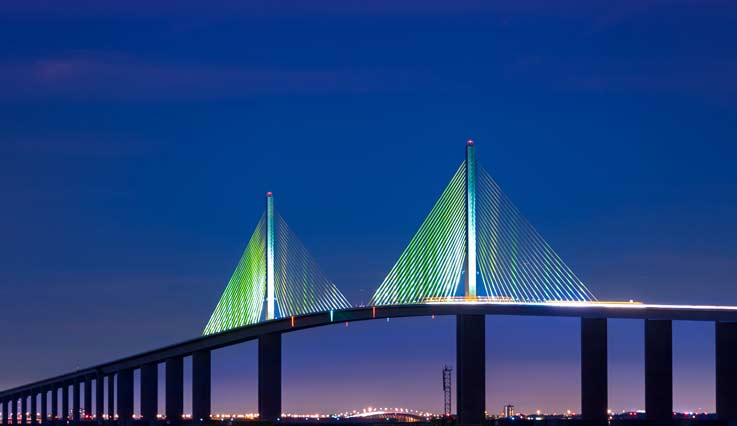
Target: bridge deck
285 325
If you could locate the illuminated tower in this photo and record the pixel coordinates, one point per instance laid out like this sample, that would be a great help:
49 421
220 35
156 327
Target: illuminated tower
275 278
269 256
469 288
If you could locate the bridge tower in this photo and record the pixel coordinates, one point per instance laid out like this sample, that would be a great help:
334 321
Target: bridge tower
469 289
269 346
269 256
475 243
470 329
275 265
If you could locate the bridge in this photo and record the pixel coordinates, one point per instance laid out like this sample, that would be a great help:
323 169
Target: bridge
395 414
474 255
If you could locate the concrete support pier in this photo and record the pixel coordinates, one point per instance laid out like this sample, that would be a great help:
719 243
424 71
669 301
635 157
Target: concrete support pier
54 404
34 410
14 410
726 370
99 397
44 406
23 409
76 407
125 397
111 397
659 370
6 412
201 386
471 366
64 402
174 390
269 376
594 369
87 398
149 392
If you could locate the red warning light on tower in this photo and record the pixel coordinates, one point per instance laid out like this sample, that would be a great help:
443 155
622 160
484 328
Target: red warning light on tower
469 142
269 194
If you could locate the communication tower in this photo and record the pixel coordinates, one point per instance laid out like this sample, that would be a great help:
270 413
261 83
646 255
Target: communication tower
446 390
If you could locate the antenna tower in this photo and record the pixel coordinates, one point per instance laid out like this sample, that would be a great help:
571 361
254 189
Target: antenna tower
446 390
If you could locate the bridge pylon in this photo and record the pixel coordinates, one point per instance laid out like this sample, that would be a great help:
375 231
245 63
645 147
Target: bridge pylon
474 234
469 288
476 245
277 271
269 256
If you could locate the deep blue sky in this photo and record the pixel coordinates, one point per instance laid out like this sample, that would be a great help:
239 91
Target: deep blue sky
137 141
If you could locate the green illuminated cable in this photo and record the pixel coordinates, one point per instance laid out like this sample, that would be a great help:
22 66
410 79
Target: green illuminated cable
242 301
514 262
431 264
299 285
473 224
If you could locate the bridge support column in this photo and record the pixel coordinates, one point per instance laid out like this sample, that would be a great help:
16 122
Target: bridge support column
726 370
75 400
87 398
54 403
594 369
174 390
6 410
471 366
32 413
201 386
125 396
269 376
64 402
99 397
44 406
23 409
14 410
111 397
659 370
149 391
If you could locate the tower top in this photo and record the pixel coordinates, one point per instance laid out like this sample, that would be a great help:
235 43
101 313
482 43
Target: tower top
269 194
469 142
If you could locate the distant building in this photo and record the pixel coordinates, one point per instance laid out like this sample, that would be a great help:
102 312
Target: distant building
509 411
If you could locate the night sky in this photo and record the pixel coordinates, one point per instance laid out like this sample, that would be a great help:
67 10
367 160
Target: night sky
137 141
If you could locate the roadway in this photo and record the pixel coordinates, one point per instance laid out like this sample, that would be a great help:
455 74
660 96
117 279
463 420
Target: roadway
285 325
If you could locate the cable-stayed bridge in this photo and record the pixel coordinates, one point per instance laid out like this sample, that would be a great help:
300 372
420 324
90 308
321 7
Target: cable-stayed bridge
475 232
474 255
274 266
